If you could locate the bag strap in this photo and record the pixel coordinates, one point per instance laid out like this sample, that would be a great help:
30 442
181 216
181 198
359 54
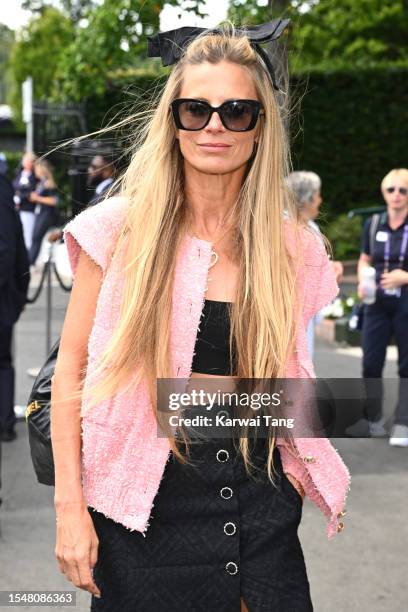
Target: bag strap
375 221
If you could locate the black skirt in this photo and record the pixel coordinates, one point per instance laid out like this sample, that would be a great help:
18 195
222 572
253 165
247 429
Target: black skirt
215 535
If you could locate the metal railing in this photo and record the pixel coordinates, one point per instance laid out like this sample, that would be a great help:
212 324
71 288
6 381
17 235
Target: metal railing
49 269
365 212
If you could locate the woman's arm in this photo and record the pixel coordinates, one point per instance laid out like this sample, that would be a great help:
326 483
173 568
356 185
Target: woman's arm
46 200
72 357
76 544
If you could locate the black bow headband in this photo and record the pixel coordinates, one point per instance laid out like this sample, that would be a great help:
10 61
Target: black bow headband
170 45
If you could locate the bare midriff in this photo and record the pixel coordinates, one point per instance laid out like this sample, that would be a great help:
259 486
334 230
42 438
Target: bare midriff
220 383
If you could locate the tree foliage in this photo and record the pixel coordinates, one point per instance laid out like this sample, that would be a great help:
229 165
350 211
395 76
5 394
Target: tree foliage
114 37
353 32
74 9
73 60
252 12
335 32
6 44
38 52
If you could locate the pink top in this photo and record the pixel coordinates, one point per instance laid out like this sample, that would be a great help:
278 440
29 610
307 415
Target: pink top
123 459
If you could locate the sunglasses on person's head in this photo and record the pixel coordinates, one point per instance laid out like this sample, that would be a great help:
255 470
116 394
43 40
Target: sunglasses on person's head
236 115
402 190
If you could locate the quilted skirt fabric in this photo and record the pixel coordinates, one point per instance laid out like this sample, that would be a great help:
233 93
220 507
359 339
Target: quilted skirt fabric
215 535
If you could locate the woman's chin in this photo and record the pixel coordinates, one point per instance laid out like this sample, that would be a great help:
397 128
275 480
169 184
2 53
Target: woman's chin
215 166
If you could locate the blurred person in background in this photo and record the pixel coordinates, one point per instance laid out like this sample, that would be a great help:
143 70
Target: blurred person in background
24 183
45 199
3 165
14 280
388 315
306 189
101 174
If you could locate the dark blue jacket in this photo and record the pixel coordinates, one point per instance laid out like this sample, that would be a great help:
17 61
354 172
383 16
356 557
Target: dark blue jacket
14 266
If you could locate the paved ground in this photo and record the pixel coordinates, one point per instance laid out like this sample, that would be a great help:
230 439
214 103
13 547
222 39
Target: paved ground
362 568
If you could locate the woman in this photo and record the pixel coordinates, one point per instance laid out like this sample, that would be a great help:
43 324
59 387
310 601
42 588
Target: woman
203 199
306 189
24 183
45 199
385 247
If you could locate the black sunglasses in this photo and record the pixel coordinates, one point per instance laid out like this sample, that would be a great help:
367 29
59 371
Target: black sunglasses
402 190
236 115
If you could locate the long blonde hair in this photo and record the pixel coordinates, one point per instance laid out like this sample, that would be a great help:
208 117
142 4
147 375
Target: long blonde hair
263 315
46 168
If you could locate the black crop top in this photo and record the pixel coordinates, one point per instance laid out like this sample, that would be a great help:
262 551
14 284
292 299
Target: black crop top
211 352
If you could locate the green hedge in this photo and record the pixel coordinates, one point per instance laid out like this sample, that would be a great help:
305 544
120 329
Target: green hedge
354 126
344 235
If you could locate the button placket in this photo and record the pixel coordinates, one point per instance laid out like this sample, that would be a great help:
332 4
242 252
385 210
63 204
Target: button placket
231 519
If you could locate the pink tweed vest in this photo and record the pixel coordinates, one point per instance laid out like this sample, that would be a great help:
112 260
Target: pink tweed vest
123 459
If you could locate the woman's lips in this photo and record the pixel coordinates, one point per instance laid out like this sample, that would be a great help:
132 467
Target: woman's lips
215 146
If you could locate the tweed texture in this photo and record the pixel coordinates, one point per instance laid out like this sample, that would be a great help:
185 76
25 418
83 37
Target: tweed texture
123 459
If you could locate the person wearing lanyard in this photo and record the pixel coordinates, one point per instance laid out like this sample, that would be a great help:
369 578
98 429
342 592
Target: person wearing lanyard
389 314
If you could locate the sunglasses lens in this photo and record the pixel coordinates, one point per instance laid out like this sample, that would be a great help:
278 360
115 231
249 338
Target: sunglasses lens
193 114
402 190
238 115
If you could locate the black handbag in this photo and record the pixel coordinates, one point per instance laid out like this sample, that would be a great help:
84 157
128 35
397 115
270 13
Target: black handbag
38 418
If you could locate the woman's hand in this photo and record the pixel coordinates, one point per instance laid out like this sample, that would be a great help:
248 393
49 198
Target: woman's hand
338 270
33 197
76 546
394 279
360 291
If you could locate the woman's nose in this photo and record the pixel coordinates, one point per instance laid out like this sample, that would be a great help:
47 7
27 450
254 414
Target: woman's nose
215 123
